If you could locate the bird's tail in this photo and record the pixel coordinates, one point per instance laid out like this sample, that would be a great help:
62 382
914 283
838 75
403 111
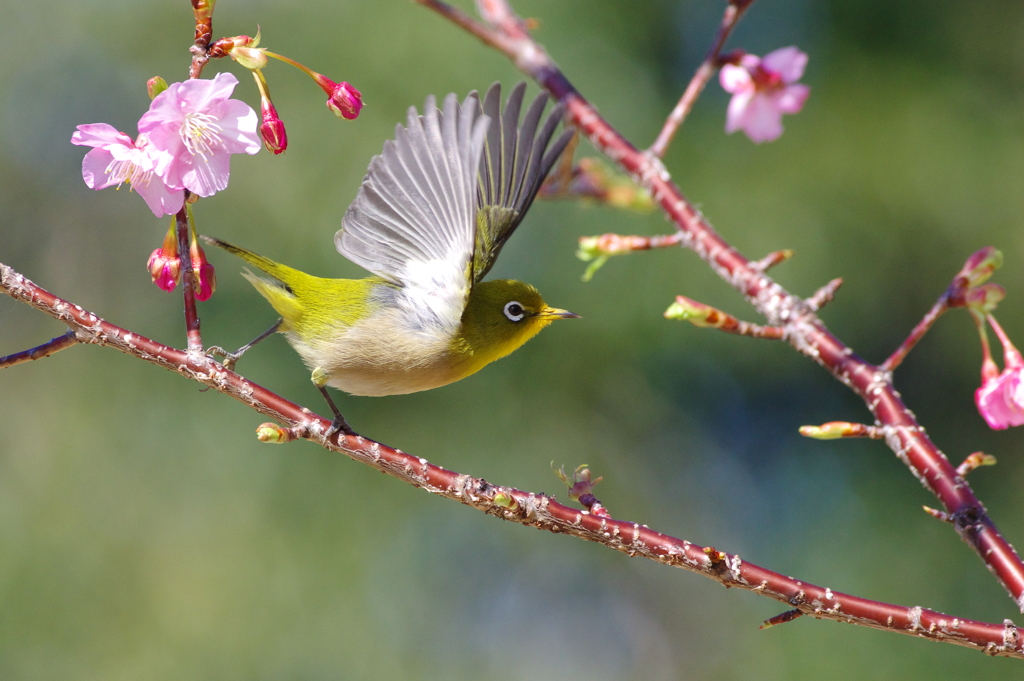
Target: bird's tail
280 294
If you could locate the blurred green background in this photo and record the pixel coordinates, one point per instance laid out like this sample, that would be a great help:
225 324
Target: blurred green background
146 534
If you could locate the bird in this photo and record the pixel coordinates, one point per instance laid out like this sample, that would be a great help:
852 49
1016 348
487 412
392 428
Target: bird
428 222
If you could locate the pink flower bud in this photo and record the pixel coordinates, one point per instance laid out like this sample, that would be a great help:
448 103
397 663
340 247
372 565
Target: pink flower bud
272 130
164 269
980 266
205 282
343 99
204 277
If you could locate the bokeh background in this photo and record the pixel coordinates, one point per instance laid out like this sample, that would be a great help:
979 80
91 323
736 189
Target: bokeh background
146 534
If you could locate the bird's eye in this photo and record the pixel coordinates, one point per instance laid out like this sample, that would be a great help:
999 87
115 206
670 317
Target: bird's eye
514 311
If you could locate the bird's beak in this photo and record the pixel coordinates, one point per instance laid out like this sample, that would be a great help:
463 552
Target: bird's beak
555 313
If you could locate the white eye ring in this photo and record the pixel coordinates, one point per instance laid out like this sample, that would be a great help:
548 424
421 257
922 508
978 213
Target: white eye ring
514 311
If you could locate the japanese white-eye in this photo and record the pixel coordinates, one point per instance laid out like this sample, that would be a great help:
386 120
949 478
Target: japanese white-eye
433 212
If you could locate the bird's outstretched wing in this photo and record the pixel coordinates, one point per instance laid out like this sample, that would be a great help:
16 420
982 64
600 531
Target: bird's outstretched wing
512 169
413 221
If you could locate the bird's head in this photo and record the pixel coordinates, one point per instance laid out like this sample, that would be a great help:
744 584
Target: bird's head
502 314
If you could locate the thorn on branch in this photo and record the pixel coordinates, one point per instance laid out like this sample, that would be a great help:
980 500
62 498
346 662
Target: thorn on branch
772 259
705 316
825 294
937 514
834 430
781 618
973 461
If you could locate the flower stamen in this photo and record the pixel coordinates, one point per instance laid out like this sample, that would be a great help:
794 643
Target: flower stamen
200 134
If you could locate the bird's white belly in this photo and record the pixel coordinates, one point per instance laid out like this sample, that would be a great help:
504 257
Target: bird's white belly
381 355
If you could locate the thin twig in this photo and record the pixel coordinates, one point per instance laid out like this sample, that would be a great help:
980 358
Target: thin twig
923 326
698 82
533 510
45 350
804 330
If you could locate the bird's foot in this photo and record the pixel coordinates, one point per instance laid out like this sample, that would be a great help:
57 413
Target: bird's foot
231 358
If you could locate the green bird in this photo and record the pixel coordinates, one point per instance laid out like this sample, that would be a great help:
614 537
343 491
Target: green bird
432 214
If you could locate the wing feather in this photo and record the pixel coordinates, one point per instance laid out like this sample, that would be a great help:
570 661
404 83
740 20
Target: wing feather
413 221
513 166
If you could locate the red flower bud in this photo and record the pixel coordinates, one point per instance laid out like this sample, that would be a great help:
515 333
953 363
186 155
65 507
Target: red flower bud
165 269
204 279
343 99
272 130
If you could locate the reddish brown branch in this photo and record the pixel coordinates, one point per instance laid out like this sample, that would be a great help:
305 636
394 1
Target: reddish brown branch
699 81
45 350
803 329
533 510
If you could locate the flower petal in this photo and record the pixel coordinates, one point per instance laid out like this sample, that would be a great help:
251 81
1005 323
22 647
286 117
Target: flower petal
788 62
207 176
791 99
736 114
239 125
160 198
99 135
94 169
762 120
735 79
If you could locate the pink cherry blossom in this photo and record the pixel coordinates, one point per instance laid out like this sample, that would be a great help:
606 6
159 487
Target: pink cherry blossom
116 159
1000 399
762 90
199 127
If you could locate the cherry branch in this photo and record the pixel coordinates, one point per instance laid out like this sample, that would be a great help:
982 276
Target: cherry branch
801 327
533 510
